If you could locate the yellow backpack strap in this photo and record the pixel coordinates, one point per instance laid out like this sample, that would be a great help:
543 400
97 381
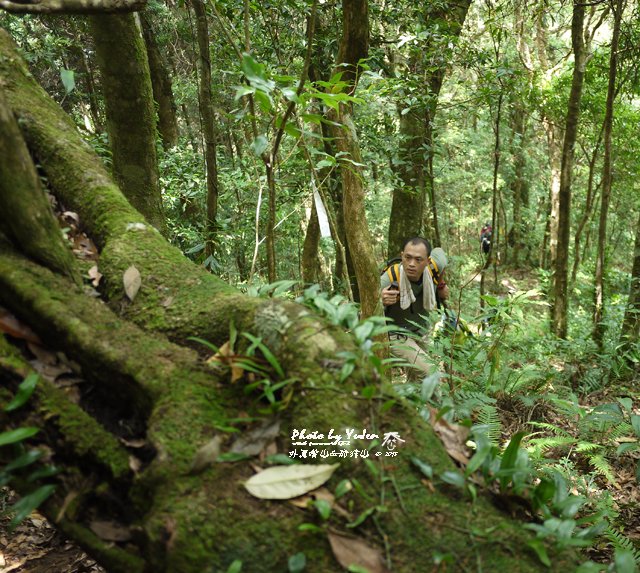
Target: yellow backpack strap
393 273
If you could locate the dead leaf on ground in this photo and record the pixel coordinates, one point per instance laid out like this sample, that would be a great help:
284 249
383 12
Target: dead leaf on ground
225 355
110 530
287 482
135 443
253 442
353 551
132 281
135 464
95 275
453 436
16 328
42 354
206 455
50 371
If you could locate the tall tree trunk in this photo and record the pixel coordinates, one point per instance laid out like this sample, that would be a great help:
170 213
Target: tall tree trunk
491 256
630 332
560 301
519 185
353 48
416 131
208 123
598 323
310 256
128 96
590 200
161 85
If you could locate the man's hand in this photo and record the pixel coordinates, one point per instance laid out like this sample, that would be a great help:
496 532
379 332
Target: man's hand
443 293
390 295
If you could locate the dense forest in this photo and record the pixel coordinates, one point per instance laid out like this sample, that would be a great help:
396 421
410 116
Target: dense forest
197 202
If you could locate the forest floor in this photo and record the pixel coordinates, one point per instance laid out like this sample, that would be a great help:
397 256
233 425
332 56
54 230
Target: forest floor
35 546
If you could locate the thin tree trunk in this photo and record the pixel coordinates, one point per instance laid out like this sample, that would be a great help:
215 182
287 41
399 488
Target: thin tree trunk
519 183
208 124
598 323
630 332
128 96
560 301
590 201
310 257
161 84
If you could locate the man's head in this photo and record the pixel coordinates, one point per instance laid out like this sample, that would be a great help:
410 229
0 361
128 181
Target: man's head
415 257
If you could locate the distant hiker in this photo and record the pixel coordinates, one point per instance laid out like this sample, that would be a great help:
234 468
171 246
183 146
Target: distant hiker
485 237
409 290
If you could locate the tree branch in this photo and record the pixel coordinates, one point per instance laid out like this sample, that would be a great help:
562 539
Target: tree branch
72 6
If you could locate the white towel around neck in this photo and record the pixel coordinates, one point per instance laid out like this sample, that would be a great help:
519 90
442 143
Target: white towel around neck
428 291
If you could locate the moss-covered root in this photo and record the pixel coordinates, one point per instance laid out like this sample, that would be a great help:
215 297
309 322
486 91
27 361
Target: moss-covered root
84 438
25 213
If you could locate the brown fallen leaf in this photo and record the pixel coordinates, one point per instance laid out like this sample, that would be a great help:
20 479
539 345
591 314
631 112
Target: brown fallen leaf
206 455
42 354
110 530
225 356
354 551
16 328
132 281
135 464
453 436
253 442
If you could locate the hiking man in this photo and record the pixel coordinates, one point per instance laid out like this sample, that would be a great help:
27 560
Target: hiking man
485 237
409 290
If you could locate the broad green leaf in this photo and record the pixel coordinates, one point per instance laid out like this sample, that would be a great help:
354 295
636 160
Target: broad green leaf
323 507
235 567
510 457
23 460
360 519
425 468
68 80
325 163
18 435
297 563
286 482
453 478
310 527
538 546
624 561
259 145
26 388
344 487
635 423
28 503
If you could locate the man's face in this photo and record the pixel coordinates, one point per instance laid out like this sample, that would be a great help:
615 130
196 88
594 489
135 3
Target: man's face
414 260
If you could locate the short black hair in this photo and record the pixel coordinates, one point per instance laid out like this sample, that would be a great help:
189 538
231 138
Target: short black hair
418 241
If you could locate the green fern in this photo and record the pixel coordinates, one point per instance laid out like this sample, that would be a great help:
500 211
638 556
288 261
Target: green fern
602 466
587 447
488 415
557 431
620 541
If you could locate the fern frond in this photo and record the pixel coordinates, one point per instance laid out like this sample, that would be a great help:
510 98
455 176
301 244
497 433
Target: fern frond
602 466
557 431
541 445
620 541
587 447
488 415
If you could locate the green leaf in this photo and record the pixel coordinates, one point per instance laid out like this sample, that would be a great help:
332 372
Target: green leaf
538 546
625 563
18 435
297 563
26 388
281 459
425 468
232 457
344 487
259 145
235 567
24 460
510 457
68 80
310 527
453 478
242 91
368 392
323 507
360 519
325 163
483 449
387 406
589 567
28 503
635 423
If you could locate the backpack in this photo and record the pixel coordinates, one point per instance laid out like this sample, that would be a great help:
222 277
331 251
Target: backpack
485 238
392 269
